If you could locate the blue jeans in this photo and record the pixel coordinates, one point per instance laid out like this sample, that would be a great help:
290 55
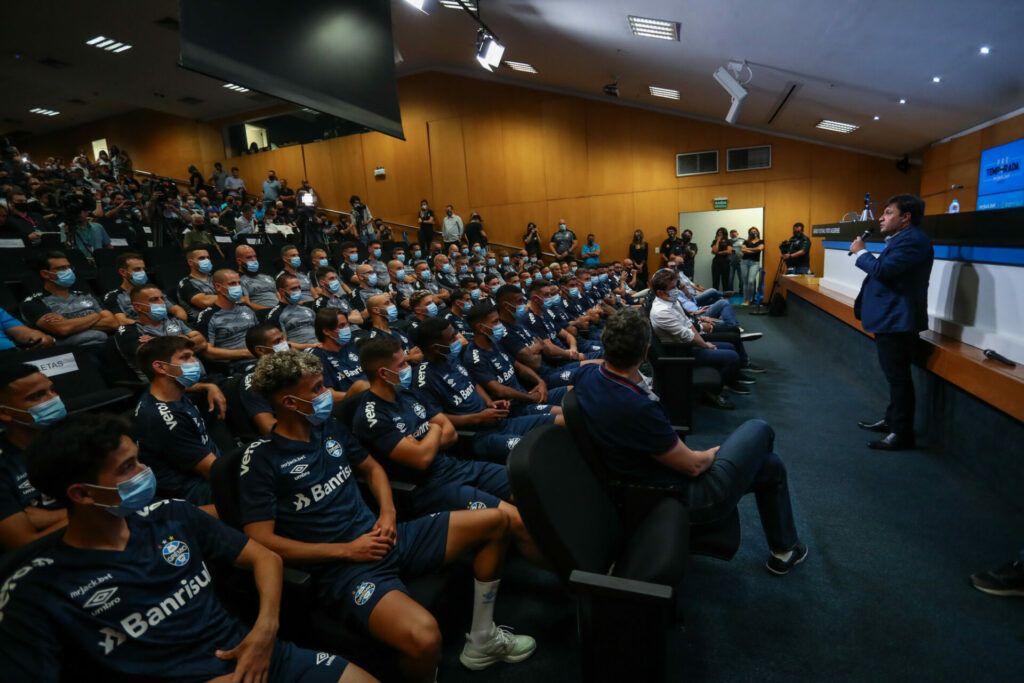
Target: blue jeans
745 464
724 359
751 275
721 309
708 296
735 276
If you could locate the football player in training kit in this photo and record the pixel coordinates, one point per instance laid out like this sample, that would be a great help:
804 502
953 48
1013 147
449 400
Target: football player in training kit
128 588
299 497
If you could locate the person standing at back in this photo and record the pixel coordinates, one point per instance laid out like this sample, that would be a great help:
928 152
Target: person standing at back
750 265
452 229
721 248
893 305
639 252
427 222
735 273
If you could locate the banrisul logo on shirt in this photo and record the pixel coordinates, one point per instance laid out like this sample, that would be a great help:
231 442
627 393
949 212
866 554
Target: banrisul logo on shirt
333 448
363 593
175 552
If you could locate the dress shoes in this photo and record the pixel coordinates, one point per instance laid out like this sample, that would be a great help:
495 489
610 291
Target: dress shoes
892 442
882 427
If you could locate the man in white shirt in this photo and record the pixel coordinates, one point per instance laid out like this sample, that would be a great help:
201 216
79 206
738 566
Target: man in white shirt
451 227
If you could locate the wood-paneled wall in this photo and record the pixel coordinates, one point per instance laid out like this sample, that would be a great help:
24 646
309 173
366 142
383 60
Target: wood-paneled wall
958 162
516 154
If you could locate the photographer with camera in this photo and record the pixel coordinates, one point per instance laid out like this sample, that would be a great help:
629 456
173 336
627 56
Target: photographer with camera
796 251
166 216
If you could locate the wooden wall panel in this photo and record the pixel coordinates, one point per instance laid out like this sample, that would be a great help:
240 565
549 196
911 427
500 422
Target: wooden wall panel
506 223
522 140
485 159
576 213
448 166
653 159
608 159
612 219
335 170
565 147
652 213
786 202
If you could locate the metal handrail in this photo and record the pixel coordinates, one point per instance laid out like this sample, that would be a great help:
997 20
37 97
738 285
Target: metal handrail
180 181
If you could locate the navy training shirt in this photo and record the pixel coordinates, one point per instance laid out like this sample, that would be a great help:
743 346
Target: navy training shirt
341 368
16 491
148 611
627 423
172 440
491 366
306 488
448 387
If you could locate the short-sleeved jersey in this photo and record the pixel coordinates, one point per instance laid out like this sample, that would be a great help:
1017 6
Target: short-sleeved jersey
362 295
341 368
447 387
491 366
517 337
172 440
575 307
402 337
558 316
542 325
295 320
305 284
260 288
627 424
253 403
448 281
77 304
148 612
563 239
225 328
188 287
127 336
306 488
341 302
429 286
460 325
16 491
380 268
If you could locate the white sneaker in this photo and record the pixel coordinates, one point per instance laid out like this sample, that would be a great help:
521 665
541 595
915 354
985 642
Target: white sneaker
501 646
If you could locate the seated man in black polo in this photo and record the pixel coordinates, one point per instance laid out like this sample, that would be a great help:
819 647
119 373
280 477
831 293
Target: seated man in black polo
635 437
28 403
149 304
299 497
447 386
172 435
132 269
499 374
128 590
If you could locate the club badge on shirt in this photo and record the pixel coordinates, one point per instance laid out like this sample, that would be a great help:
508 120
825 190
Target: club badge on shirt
174 552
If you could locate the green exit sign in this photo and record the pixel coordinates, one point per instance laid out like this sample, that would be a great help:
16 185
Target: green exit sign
721 202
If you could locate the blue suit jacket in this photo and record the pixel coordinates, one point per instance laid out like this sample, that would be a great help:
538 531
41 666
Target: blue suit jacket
894 295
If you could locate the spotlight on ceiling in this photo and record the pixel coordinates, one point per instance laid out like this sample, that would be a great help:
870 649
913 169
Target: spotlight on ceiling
488 50
736 91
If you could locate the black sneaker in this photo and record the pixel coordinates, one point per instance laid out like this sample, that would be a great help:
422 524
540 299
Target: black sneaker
750 367
737 388
720 401
780 567
1008 580
745 379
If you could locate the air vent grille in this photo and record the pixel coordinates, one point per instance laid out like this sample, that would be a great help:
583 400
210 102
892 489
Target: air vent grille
697 163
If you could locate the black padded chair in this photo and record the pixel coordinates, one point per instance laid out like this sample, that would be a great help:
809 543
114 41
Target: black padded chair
236 418
679 382
76 378
624 583
634 501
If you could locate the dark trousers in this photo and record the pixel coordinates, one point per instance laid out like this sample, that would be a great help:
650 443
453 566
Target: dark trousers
745 464
725 359
720 273
895 353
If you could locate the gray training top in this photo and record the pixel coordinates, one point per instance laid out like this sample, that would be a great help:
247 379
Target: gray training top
295 320
260 288
226 328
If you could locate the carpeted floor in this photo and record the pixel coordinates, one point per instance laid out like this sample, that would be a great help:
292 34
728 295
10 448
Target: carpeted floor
883 595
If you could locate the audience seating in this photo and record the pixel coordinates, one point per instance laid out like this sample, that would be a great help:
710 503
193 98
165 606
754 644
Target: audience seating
77 379
679 382
623 582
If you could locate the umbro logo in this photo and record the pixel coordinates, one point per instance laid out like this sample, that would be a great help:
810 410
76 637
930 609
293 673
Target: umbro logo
100 597
299 469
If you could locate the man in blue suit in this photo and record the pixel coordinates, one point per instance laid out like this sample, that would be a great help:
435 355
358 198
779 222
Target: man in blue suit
893 305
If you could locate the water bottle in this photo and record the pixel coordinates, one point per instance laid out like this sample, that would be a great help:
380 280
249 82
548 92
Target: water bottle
954 206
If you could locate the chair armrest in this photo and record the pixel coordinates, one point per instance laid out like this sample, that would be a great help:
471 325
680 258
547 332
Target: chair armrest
403 486
618 587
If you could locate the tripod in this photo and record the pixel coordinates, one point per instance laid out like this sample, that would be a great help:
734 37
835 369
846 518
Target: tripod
761 308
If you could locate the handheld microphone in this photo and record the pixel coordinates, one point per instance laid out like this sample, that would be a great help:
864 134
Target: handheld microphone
865 236
996 356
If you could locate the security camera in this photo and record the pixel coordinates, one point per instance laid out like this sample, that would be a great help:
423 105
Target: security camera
611 90
735 90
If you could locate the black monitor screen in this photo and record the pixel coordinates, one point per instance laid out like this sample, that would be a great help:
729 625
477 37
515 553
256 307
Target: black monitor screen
333 56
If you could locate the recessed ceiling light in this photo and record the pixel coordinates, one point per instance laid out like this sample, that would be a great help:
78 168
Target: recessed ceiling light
44 112
902 101
876 117
984 50
836 126
668 93
455 4
236 88
936 79
520 66
654 28
108 44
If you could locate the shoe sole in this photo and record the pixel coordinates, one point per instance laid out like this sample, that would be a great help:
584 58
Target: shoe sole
757 371
478 665
795 563
1003 593
746 381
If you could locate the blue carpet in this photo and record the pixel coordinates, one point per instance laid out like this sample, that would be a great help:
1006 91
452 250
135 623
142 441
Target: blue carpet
883 595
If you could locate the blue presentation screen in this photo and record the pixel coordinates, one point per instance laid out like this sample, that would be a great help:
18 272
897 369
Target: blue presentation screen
1001 180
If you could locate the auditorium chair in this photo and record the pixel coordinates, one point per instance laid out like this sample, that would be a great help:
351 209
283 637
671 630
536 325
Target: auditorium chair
634 501
679 381
304 620
82 387
624 582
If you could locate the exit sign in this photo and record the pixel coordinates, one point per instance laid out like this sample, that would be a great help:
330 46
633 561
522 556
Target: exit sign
721 202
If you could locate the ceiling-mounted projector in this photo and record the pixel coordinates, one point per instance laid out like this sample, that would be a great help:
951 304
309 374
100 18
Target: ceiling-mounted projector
735 90
612 89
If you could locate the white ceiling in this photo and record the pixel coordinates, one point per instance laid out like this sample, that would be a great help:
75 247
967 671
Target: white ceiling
852 59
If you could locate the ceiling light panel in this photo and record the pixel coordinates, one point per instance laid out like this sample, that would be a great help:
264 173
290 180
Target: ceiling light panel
668 93
455 4
836 126
654 28
108 44
44 112
236 88
520 66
